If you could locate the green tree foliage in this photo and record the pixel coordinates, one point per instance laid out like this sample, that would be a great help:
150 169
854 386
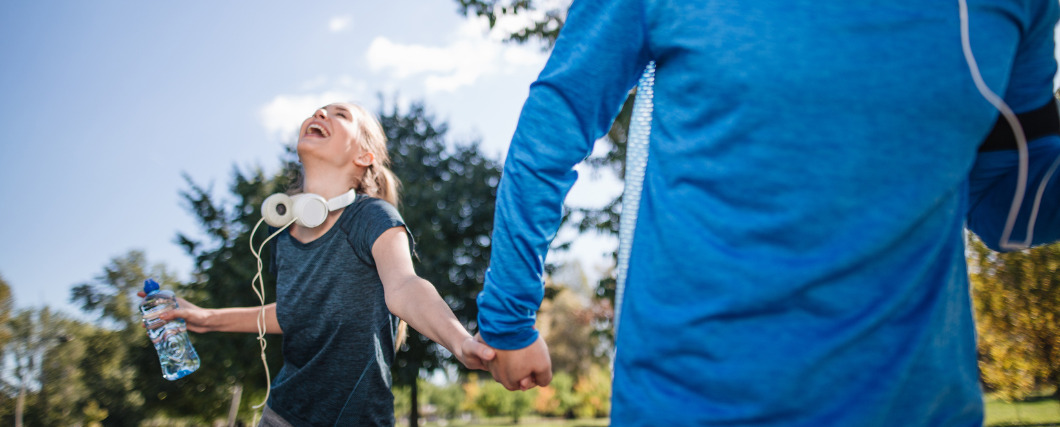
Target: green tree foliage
593 393
7 390
63 371
557 399
30 339
544 27
112 295
447 199
444 401
224 268
492 399
1017 306
547 20
118 365
7 304
62 366
566 322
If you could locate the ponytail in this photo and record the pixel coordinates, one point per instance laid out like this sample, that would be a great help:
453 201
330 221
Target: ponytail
379 181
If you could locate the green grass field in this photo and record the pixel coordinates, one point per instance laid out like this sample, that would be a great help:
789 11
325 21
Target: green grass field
524 422
1035 412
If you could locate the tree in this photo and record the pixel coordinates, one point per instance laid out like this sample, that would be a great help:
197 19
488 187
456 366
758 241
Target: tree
112 295
7 304
119 366
567 320
26 347
557 398
544 25
42 344
63 390
546 21
593 393
492 399
224 268
1017 306
447 203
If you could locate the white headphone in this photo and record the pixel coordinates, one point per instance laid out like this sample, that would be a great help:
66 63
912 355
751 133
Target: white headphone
307 209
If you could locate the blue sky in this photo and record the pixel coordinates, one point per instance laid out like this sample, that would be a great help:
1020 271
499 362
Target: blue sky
105 104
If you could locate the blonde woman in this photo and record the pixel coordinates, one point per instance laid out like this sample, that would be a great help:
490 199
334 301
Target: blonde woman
342 285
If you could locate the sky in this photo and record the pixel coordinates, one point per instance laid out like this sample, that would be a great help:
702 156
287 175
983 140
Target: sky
107 104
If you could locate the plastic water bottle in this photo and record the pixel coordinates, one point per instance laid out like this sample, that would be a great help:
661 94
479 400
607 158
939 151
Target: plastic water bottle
170 338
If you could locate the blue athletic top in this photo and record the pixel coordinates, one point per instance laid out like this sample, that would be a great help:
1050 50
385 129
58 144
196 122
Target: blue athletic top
799 252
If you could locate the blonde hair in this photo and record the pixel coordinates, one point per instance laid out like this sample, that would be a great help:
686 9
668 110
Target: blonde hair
378 180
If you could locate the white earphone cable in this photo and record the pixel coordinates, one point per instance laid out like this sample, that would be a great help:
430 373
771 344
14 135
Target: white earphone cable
258 285
1021 145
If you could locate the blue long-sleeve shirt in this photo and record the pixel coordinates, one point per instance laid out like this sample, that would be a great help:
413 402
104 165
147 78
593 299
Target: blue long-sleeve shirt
799 257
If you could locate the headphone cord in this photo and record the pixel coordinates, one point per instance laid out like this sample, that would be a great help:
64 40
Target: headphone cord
258 285
1021 145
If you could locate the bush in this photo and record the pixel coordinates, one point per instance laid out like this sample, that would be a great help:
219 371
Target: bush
557 399
593 393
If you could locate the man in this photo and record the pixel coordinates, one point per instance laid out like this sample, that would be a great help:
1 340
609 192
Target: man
799 253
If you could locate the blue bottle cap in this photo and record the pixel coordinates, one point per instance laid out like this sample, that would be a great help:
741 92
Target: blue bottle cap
150 285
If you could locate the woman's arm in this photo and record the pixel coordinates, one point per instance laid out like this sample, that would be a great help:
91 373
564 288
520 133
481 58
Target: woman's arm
415 300
233 319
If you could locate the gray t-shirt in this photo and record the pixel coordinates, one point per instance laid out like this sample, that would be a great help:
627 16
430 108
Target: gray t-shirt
338 335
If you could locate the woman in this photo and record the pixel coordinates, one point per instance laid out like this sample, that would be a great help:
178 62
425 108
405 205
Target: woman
341 284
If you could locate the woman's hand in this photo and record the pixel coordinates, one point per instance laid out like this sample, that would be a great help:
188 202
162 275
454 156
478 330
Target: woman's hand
197 318
474 354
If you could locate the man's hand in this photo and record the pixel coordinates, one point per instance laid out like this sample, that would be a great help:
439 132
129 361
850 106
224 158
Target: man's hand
524 368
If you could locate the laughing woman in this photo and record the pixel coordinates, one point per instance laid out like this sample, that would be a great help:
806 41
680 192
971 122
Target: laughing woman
342 285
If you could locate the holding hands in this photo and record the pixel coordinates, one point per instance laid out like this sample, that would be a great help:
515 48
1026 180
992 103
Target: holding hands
521 369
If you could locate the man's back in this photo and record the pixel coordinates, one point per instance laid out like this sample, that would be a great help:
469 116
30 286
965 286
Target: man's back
798 257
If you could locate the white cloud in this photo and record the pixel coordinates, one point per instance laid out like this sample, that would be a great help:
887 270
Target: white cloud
406 60
472 53
339 23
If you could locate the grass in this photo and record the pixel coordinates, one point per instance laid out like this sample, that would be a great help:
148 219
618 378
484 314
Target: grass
523 422
1039 411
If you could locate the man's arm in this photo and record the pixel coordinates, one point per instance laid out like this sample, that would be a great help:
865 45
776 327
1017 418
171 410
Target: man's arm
993 179
596 60
993 186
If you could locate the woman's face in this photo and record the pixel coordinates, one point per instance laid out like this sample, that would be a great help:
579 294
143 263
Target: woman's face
329 134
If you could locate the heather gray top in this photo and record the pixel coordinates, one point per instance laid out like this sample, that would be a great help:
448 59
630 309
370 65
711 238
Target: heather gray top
338 335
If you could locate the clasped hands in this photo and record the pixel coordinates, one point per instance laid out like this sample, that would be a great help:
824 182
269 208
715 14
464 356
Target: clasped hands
521 369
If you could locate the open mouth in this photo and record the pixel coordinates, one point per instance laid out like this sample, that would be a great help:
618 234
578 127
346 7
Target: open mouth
316 130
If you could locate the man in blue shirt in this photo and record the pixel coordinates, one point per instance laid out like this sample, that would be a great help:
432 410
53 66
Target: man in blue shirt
799 253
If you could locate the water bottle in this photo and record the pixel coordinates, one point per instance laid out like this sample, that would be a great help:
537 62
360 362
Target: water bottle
177 356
